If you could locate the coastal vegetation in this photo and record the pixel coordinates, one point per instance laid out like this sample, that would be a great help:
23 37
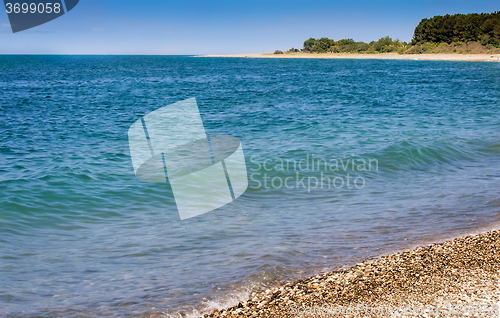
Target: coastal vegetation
458 33
482 28
326 45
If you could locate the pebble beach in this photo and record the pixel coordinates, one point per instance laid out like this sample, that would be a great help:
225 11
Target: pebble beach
456 278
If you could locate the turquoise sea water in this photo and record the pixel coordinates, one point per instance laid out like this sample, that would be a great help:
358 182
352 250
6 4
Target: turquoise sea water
81 236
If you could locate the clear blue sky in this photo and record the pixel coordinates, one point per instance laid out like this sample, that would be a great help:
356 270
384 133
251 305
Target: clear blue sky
223 26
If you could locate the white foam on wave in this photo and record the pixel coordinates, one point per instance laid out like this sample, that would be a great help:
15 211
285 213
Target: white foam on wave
208 306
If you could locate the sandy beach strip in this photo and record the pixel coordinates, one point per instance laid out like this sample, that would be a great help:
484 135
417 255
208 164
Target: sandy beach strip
385 56
457 278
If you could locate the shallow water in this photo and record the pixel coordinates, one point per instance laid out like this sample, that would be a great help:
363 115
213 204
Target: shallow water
81 236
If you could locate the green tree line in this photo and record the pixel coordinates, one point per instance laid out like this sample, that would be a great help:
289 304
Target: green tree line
458 33
483 28
325 45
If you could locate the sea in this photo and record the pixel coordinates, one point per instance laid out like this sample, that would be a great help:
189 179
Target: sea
347 160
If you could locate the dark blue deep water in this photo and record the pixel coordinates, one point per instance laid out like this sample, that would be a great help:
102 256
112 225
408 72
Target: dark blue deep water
81 236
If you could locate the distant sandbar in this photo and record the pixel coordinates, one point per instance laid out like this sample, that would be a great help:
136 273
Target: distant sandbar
384 56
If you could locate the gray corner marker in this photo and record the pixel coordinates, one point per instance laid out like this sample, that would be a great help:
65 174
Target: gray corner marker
27 14
205 172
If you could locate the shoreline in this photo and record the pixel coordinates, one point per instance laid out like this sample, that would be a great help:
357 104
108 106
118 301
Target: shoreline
381 56
455 277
